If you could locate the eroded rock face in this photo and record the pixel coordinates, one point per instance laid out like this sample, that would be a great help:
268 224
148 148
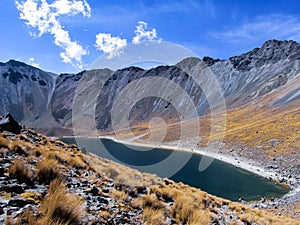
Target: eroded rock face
149 103
25 91
242 79
271 52
84 87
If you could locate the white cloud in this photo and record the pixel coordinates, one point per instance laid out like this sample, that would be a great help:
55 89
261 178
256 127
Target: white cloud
111 45
33 63
44 17
143 34
276 26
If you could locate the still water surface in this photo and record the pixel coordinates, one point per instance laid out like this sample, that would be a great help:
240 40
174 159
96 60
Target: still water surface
220 178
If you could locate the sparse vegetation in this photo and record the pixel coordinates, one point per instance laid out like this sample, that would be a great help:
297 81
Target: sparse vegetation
48 170
119 195
154 216
3 142
151 201
21 148
58 208
20 171
156 199
61 207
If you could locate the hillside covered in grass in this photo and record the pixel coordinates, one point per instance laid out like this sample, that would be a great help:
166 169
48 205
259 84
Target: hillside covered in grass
44 181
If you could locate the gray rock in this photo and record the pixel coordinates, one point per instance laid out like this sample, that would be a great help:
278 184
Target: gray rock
12 188
18 203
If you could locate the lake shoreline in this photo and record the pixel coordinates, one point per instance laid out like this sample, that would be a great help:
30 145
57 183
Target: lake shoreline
237 161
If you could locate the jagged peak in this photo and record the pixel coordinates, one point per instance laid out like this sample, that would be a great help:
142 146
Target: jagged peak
210 61
190 60
278 43
131 68
14 63
271 51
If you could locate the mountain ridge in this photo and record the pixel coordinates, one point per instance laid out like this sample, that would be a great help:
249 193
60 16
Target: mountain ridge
276 63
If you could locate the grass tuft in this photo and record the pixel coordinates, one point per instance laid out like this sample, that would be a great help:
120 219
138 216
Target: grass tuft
3 142
20 171
61 207
20 148
154 217
47 171
58 208
151 201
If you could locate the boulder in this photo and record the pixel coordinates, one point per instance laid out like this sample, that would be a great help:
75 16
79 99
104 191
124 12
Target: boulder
12 188
18 203
10 124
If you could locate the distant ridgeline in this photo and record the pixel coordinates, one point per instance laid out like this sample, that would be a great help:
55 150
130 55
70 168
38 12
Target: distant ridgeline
44 100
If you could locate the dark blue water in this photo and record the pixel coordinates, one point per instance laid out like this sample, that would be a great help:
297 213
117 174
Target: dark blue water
220 178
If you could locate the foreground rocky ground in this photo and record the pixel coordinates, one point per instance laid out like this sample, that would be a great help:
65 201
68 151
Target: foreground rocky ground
44 181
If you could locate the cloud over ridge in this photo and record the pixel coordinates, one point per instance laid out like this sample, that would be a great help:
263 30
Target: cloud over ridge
110 45
44 17
113 46
143 34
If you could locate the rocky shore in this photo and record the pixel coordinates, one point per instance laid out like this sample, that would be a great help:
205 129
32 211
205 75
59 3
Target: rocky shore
282 169
40 177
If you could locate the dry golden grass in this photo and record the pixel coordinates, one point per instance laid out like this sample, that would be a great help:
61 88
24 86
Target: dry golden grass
182 209
3 142
193 206
165 193
48 170
256 216
58 208
136 203
119 195
257 127
151 201
248 126
186 210
20 147
20 171
113 170
154 217
55 153
32 197
105 214
202 217
76 160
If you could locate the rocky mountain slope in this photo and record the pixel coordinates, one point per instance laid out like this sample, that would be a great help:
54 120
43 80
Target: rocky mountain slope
26 92
45 100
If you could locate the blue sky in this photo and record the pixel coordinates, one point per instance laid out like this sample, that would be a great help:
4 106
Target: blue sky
69 35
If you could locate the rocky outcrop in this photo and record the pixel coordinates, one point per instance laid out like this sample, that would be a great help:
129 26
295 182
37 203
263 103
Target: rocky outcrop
9 124
271 52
